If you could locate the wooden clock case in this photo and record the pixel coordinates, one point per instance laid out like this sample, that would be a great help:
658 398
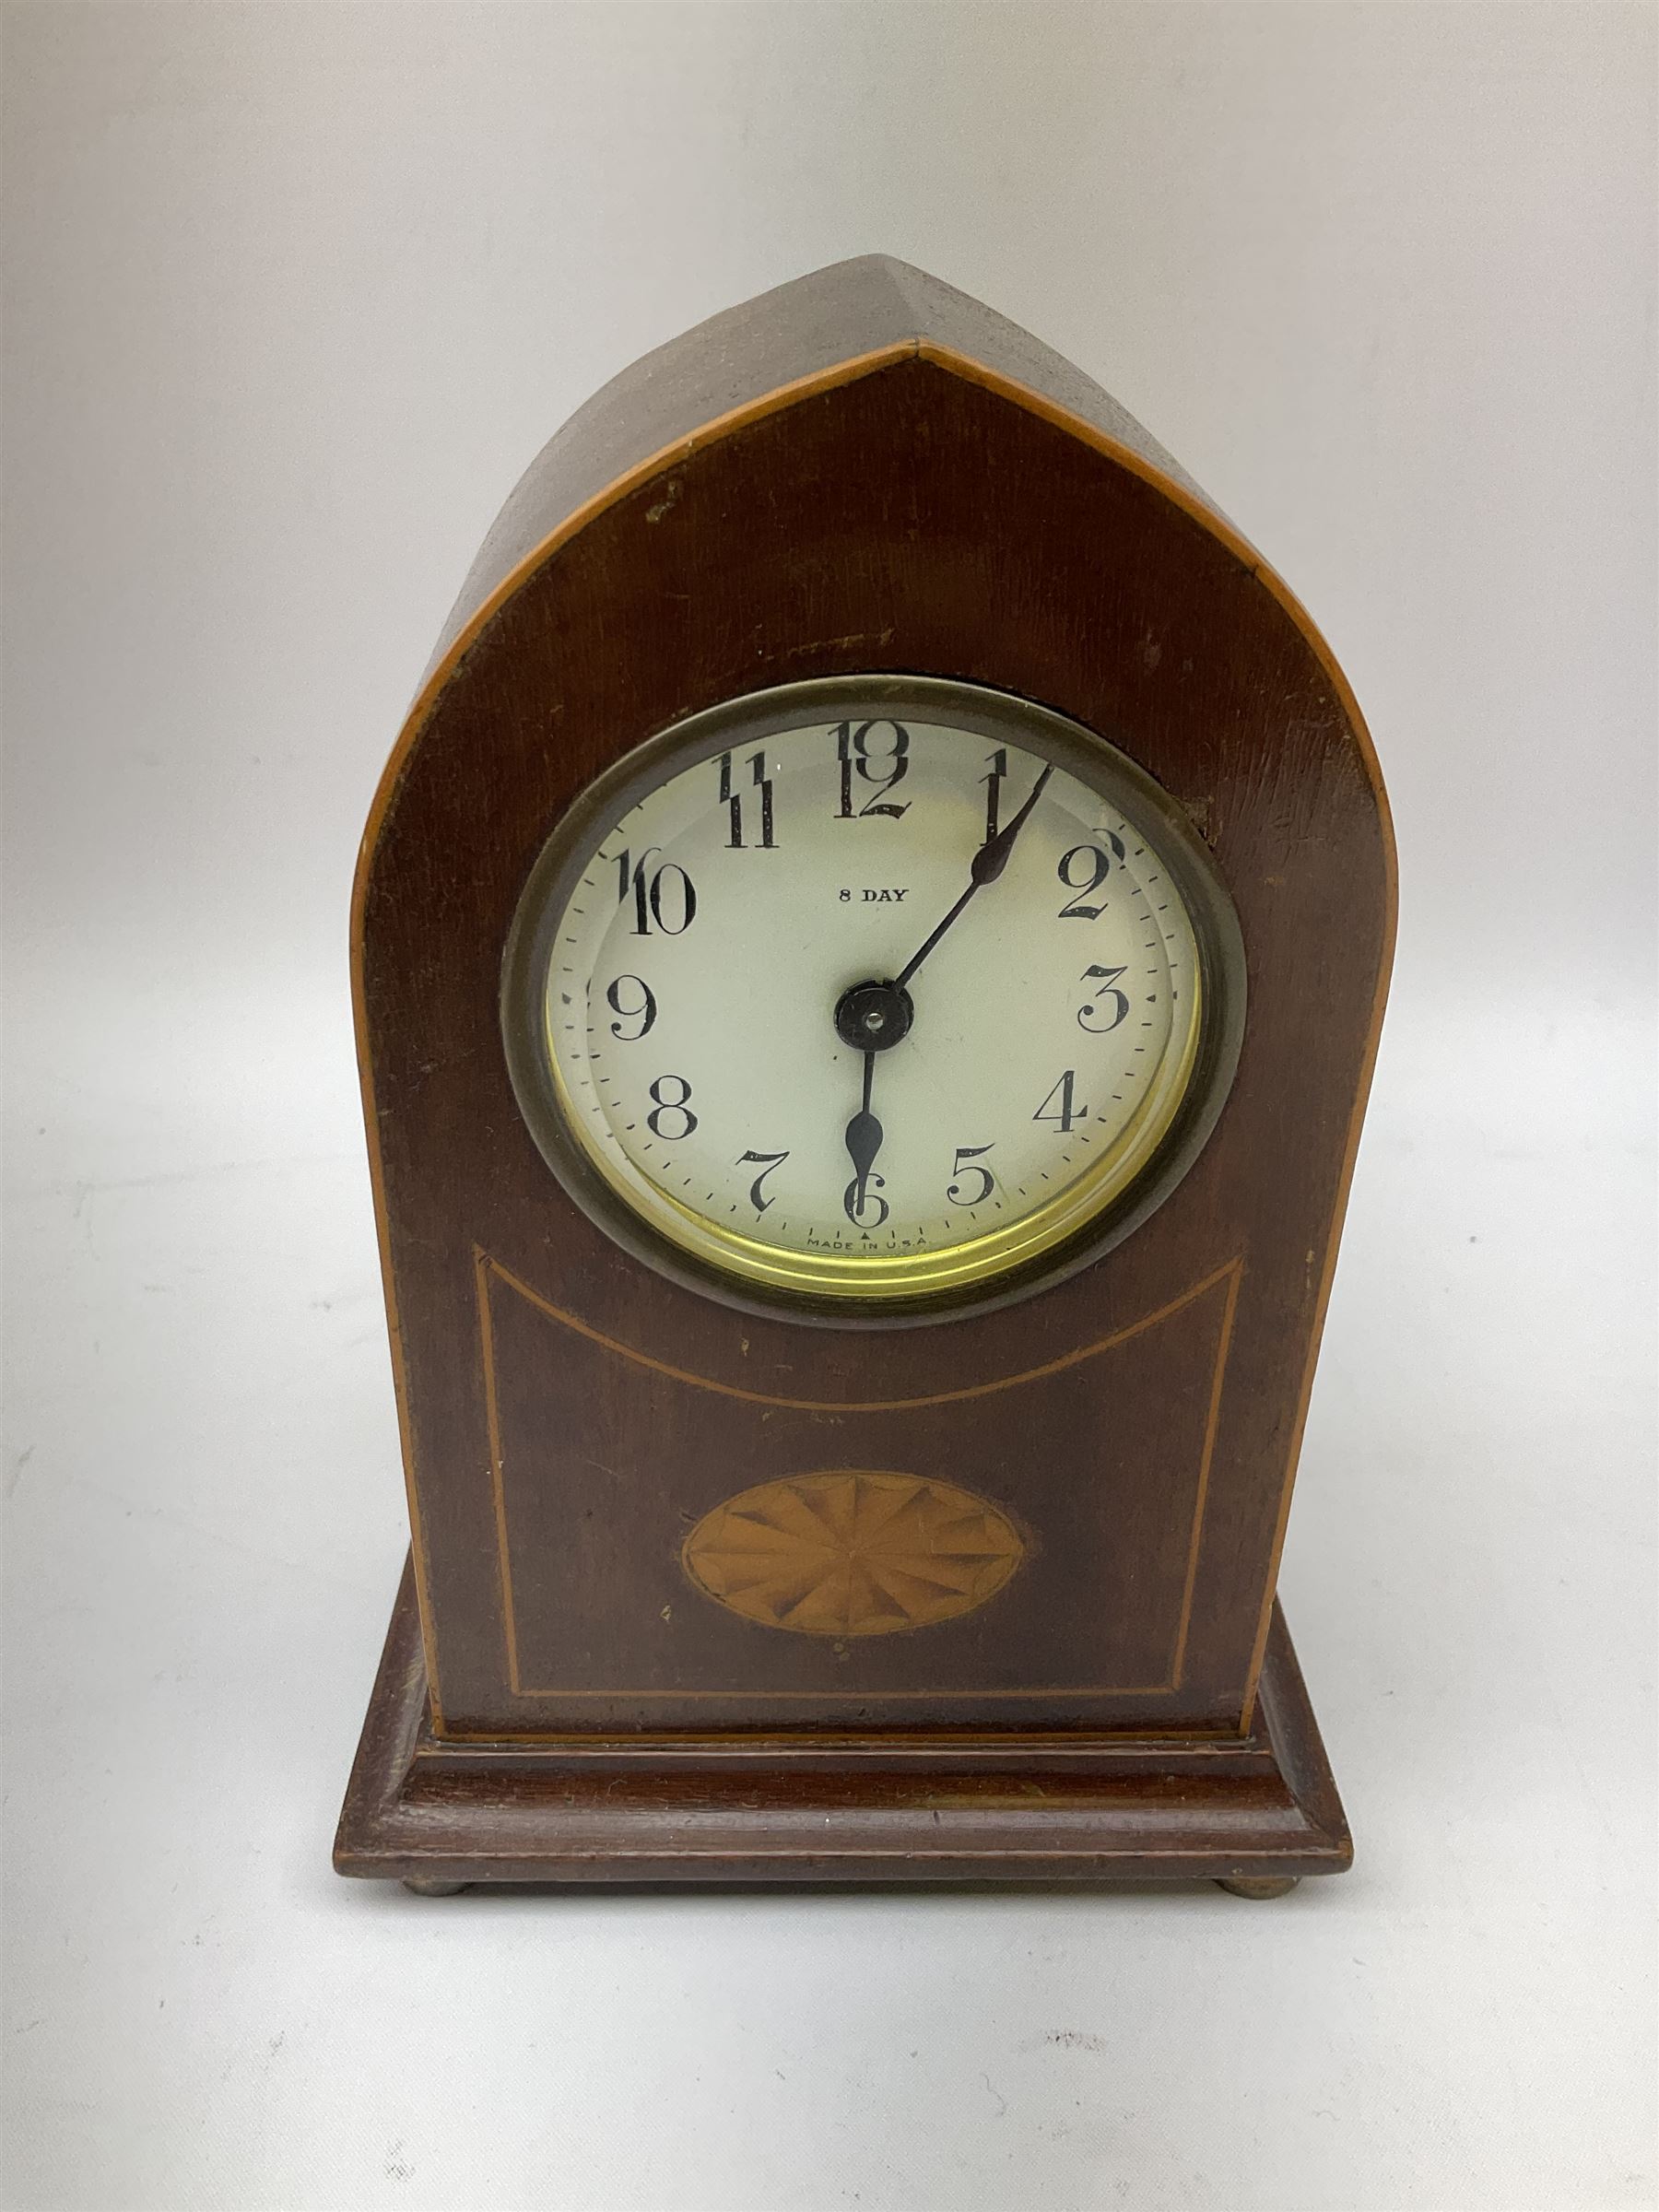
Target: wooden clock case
862 472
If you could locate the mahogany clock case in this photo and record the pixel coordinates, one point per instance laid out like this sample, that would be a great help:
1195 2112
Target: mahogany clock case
864 474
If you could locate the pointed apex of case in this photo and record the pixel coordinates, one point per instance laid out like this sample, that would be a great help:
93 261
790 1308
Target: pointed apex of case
848 319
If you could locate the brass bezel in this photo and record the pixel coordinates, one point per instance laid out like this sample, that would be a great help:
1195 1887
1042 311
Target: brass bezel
1083 1221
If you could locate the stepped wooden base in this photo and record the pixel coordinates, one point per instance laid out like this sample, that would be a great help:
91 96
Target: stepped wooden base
1254 1813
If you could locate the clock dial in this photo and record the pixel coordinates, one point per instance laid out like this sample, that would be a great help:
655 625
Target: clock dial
881 998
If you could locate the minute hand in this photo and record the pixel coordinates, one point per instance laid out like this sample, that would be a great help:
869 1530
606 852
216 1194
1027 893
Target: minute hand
988 864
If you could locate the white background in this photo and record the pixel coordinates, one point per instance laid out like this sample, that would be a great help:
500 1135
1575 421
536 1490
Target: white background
293 293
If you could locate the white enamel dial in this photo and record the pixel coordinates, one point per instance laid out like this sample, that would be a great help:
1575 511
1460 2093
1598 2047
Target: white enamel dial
792 1032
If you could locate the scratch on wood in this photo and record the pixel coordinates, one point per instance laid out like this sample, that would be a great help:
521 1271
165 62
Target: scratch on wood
857 637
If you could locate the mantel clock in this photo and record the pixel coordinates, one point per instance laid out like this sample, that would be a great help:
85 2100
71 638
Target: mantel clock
868 955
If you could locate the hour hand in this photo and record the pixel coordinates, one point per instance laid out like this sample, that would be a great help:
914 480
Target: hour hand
863 1140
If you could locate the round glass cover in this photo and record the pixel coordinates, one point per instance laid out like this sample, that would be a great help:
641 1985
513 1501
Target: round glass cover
873 992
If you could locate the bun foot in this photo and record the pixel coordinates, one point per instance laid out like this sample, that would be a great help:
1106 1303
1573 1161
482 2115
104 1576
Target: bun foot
420 1883
1261 1885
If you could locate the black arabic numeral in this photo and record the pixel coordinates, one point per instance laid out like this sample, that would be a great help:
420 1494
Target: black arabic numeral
1068 1112
959 1167
630 877
644 1012
650 904
1097 866
884 768
733 800
1119 1001
873 1187
664 1107
996 768
772 1159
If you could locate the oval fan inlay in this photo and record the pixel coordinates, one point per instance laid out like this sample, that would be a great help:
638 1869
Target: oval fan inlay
852 1553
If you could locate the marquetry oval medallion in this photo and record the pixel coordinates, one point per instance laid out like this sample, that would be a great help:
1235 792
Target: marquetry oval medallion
852 1553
